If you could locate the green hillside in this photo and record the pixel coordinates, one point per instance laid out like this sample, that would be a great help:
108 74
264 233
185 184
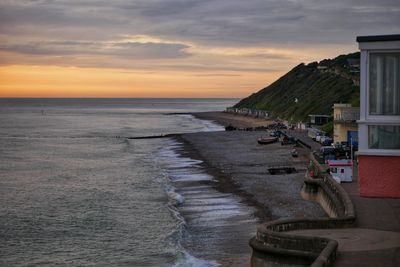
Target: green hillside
317 86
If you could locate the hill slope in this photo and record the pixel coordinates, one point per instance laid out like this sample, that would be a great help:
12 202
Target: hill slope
317 86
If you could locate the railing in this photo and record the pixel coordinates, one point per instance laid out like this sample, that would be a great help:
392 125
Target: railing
347 117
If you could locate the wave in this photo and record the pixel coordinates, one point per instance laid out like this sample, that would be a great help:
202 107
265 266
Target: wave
199 208
185 259
206 126
175 198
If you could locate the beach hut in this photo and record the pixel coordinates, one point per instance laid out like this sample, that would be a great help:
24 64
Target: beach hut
341 170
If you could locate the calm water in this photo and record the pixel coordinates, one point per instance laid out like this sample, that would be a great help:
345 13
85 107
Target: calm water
74 191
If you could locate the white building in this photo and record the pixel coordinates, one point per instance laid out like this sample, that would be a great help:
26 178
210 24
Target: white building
379 124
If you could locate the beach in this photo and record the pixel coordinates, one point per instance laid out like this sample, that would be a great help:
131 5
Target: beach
240 166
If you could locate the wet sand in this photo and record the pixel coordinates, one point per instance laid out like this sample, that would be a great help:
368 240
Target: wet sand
240 166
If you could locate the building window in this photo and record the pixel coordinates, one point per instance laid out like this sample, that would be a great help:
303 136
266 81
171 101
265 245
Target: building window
383 137
384 84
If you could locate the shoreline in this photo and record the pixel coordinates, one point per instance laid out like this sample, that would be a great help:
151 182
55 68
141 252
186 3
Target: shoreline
240 165
226 183
226 119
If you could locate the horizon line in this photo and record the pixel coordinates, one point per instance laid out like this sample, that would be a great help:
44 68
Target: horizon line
17 97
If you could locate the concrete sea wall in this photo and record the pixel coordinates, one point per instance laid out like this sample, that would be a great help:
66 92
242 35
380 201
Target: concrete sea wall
274 238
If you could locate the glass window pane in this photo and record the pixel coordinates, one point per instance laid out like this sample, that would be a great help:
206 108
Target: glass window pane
384 84
384 137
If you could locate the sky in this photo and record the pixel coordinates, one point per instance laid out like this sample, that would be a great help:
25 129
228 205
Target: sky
174 48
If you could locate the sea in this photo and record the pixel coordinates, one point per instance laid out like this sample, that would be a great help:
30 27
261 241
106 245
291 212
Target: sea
77 190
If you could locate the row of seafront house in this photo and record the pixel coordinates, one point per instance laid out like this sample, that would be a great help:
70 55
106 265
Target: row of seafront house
257 113
344 119
376 124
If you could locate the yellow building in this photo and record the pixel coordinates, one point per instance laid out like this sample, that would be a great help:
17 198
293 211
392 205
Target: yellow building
345 127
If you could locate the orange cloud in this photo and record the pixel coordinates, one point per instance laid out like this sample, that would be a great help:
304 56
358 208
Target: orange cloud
52 81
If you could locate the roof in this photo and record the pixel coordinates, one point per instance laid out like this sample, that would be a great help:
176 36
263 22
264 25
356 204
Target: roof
324 116
342 105
378 38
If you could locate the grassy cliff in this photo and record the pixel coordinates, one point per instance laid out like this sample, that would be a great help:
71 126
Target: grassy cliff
316 86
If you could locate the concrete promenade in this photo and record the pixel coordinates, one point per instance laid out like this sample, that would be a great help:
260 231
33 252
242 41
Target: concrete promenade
375 239
378 223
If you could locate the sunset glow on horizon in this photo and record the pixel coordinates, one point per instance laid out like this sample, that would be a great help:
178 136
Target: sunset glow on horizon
172 48
71 82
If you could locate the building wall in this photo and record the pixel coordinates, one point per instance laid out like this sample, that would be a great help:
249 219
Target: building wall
379 176
379 169
340 132
341 114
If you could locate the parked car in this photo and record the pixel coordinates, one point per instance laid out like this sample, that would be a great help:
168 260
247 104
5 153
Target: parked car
318 138
276 133
325 153
327 141
324 150
314 133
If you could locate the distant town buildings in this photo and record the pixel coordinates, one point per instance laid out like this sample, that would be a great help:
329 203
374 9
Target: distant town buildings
257 113
379 124
319 119
345 128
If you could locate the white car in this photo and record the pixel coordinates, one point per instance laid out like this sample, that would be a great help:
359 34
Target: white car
322 139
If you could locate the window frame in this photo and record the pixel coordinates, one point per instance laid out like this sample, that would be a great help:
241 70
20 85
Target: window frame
377 118
369 132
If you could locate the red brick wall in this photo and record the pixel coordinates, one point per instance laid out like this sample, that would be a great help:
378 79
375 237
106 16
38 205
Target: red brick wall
379 176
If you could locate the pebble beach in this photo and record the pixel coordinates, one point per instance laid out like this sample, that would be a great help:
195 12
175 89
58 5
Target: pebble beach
240 166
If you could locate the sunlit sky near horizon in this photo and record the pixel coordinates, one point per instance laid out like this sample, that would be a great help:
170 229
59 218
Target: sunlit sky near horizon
174 48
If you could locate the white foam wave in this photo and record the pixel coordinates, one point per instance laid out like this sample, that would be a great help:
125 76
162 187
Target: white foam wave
209 208
175 198
191 177
204 125
196 203
202 195
187 260
216 215
209 201
180 163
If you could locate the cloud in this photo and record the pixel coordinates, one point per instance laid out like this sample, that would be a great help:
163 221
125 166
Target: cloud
218 75
136 50
207 33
